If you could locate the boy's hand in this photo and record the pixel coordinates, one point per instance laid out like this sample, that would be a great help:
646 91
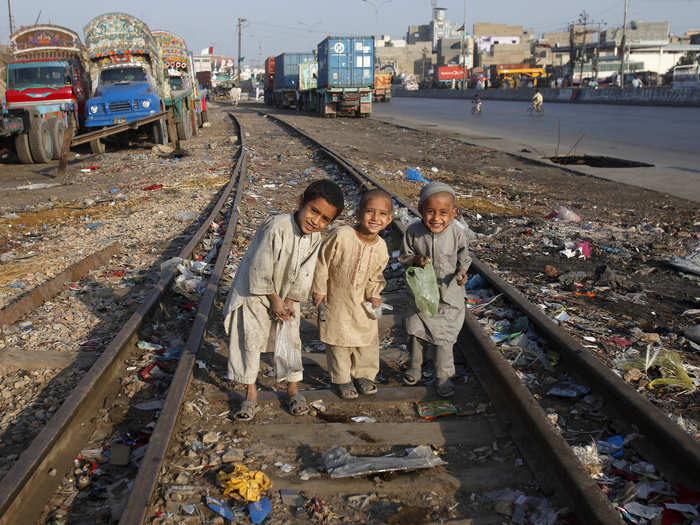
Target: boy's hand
277 308
420 260
318 299
462 277
289 309
376 302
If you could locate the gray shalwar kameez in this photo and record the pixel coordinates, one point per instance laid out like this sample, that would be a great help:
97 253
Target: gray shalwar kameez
281 259
449 254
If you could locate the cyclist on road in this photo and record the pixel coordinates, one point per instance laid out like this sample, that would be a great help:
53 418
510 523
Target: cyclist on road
476 104
537 101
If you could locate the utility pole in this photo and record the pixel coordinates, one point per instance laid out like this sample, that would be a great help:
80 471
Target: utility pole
238 65
623 44
583 20
9 13
463 45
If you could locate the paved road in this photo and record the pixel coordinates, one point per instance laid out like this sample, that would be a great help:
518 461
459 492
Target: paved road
667 137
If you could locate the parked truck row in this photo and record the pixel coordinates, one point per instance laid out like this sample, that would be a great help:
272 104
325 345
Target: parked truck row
337 79
122 74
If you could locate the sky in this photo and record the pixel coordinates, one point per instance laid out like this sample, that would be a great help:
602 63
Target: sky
277 26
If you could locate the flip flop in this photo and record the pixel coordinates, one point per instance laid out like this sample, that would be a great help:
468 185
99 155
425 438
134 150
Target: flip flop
366 387
346 391
445 389
247 411
409 379
297 405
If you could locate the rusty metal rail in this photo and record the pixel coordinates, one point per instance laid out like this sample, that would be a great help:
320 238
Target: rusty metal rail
34 298
37 473
549 456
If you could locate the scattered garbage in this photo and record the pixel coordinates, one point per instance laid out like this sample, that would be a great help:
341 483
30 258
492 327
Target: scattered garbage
339 463
568 389
687 263
259 510
221 508
414 175
243 483
667 363
319 511
363 419
566 214
433 409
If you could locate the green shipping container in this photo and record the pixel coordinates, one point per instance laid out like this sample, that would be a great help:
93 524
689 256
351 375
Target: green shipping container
308 76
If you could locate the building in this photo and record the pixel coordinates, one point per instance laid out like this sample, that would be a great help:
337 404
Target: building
439 27
453 52
496 44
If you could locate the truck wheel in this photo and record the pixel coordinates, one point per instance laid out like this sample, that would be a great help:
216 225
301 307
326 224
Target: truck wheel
160 132
205 116
40 142
57 129
97 146
22 147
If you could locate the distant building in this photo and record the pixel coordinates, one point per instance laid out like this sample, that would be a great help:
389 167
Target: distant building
496 44
439 27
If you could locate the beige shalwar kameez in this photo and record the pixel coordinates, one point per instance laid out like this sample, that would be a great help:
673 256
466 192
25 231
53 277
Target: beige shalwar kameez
281 259
350 272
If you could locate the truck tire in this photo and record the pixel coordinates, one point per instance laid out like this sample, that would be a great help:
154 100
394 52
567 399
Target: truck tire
97 146
160 132
205 116
22 147
40 142
57 129
184 127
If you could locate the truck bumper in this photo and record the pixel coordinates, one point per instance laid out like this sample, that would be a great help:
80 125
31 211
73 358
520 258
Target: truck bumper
102 120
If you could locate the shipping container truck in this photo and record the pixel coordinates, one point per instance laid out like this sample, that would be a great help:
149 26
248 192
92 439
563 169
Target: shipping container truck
345 77
47 88
179 95
269 81
127 72
286 80
382 87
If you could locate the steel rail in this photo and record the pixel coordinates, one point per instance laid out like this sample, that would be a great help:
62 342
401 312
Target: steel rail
40 468
561 471
36 297
137 506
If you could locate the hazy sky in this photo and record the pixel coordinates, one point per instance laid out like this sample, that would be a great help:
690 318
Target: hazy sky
276 26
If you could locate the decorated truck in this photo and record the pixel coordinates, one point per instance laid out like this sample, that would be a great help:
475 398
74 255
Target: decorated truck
200 96
127 73
47 88
179 89
382 87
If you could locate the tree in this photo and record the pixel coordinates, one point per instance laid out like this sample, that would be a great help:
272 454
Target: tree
690 58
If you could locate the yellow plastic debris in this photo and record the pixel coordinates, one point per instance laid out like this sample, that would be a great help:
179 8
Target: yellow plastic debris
244 483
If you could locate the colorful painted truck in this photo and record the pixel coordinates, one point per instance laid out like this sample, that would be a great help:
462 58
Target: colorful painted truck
382 87
345 77
127 73
179 94
47 87
269 81
200 97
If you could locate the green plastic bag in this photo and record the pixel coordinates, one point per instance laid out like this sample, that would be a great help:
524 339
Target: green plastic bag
423 284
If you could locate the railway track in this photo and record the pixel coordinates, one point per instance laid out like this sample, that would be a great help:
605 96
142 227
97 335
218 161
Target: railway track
107 402
502 442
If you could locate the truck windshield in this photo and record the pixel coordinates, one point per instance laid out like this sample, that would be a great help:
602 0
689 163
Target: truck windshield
123 74
30 75
176 83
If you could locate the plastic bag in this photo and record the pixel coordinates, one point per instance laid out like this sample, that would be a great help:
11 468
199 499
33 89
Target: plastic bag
287 356
423 284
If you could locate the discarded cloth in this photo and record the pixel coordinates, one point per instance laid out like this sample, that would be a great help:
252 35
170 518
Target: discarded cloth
339 463
244 483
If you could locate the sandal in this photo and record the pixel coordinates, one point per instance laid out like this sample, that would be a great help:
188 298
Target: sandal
347 391
247 411
409 379
366 387
297 405
445 389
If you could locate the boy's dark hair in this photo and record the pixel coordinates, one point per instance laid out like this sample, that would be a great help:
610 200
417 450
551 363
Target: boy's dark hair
325 189
366 196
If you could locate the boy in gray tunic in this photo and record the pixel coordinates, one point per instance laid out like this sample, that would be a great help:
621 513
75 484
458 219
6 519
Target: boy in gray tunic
436 238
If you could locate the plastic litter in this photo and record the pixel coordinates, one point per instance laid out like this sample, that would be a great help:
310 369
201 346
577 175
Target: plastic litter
476 282
414 175
423 284
643 511
566 214
153 187
319 511
363 419
153 404
221 508
433 409
687 263
259 510
287 357
568 389
339 463
376 313
243 483
611 446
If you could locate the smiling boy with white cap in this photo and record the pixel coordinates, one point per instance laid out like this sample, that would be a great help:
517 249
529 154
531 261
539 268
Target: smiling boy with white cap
438 240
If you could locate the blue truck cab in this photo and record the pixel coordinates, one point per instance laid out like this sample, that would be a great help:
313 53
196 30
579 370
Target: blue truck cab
124 93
